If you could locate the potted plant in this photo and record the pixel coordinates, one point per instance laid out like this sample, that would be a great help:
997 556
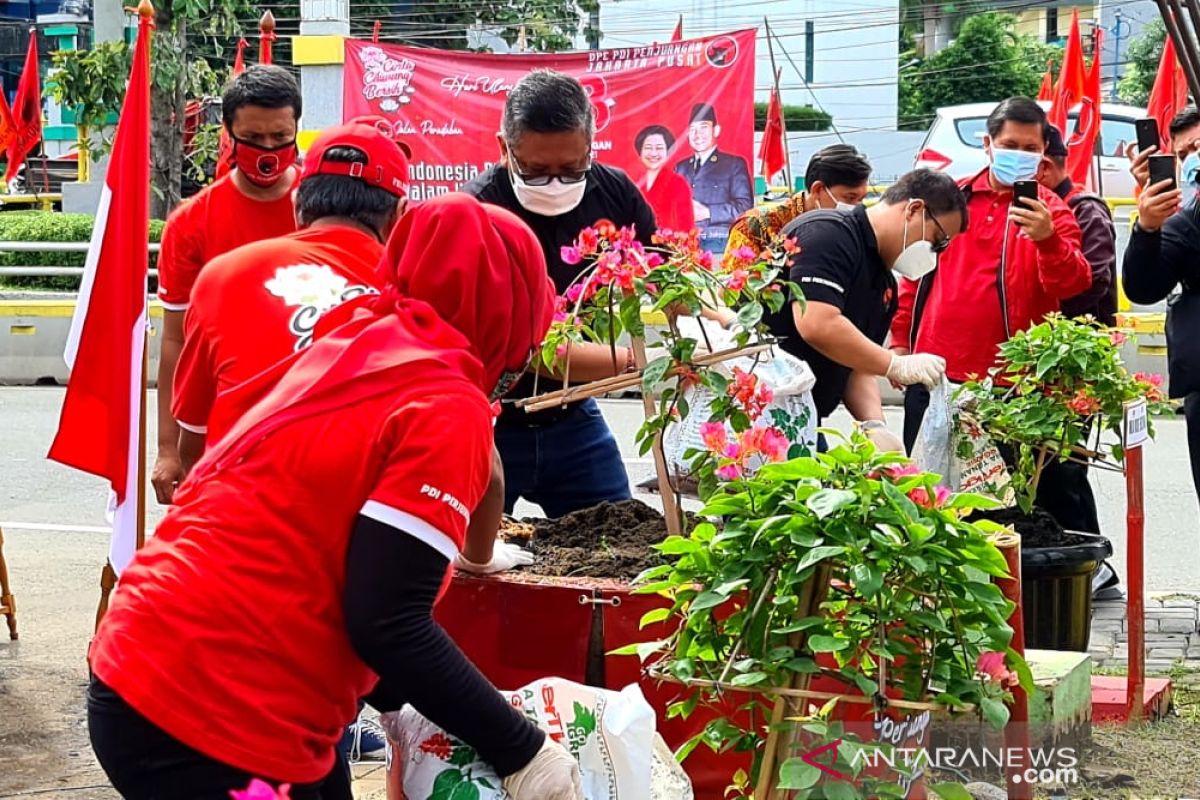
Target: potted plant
1059 392
846 578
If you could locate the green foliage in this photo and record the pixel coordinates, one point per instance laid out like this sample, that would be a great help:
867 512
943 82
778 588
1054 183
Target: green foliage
987 62
43 226
92 82
906 602
795 118
1142 57
1054 383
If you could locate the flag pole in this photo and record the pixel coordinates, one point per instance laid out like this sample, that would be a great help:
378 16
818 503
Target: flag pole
108 576
266 30
776 71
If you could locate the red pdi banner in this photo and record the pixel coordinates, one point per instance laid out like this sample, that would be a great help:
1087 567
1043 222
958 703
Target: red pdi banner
447 105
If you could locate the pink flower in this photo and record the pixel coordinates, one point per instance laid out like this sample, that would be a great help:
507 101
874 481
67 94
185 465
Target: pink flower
1117 338
897 471
559 316
560 352
651 288
713 434
744 254
729 472
1083 403
732 450
920 495
1154 379
992 667
737 280
570 255
654 260
574 292
261 790
770 442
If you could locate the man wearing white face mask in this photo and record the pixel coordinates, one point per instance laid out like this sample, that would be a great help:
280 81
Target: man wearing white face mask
844 266
561 459
1016 264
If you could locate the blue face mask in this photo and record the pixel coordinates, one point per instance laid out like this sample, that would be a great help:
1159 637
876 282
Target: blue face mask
1191 168
1010 166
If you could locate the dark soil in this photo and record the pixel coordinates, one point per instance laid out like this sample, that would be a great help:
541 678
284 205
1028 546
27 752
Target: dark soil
1038 529
611 540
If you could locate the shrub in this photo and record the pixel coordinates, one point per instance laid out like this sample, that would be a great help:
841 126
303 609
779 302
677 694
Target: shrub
795 118
52 226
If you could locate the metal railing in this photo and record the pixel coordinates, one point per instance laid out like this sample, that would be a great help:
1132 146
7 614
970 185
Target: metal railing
51 247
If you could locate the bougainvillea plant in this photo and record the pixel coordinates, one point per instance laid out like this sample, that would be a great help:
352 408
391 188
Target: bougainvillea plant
620 277
908 609
1058 386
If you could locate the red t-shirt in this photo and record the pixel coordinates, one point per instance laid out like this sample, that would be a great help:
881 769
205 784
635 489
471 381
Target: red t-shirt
213 222
243 656
256 305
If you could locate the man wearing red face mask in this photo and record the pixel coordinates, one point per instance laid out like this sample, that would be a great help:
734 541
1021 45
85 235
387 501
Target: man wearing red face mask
261 112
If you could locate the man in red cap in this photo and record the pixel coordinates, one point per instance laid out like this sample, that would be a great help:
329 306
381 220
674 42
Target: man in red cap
260 110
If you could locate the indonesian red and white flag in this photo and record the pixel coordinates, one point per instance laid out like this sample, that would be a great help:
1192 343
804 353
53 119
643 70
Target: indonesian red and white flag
99 430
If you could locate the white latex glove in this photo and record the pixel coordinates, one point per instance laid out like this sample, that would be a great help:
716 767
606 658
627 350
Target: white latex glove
552 774
884 440
505 556
923 368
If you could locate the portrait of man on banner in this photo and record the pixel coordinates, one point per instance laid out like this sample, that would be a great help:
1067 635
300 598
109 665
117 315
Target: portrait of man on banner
720 181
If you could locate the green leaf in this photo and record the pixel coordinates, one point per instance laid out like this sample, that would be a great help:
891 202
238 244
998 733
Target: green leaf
654 372
465 791
950 791
827 644
867 579
750 315
444 784
462 755
678 545
803 665
709 599
994 712
749 679
827 501
585 718
819 554
840 790
654 615
798 774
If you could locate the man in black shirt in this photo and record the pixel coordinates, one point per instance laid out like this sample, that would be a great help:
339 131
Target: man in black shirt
562 459
844 267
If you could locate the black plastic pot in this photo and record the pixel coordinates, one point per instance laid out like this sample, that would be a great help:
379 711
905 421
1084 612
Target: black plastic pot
1056 591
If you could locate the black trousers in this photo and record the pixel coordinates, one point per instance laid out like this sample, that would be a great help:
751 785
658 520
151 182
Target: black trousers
146 763
1063 490
1191 414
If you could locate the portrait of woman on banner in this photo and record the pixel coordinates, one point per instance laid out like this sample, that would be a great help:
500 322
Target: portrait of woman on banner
666 191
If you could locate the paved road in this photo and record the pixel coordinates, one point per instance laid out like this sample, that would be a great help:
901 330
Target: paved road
53 521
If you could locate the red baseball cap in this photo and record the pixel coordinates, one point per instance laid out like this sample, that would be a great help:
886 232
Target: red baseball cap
387 159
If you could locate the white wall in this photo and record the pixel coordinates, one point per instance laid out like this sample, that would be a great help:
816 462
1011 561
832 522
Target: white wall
854 47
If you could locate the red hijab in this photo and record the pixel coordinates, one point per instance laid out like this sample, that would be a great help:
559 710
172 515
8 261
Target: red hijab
466 285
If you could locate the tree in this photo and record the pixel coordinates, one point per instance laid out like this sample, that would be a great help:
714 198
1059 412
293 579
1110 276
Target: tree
1141 58
92 84
988 61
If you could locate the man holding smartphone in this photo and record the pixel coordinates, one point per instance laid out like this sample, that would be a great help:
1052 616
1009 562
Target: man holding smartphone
1163 253
1016 263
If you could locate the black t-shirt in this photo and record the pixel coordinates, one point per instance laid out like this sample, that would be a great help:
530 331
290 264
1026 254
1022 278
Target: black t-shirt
839 264
610 195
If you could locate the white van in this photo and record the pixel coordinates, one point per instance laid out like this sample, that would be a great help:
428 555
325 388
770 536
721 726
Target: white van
954 143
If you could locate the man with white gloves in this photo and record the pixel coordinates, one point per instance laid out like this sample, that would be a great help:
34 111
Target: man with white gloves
844 267
553 774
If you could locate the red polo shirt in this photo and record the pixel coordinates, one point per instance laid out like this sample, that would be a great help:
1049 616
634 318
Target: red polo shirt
966 316
244 656
258 304
216 220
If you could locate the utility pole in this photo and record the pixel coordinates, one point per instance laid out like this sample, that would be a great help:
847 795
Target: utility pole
1118 20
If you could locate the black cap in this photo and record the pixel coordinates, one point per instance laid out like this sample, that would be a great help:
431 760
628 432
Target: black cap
1054 142
703 112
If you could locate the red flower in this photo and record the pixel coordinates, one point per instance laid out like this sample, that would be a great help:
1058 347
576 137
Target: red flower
439 745
737 280
991 666
790 247
920 495
1117 338
1083 403
606 230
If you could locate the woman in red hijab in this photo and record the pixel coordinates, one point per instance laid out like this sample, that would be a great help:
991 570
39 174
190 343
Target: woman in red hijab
297 571
665 190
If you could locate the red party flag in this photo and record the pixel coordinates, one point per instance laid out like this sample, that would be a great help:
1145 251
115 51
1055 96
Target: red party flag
26 111
1072 79
1046 92
1081 147
677 36
100 430
1169 94
8 126
771 153
225 149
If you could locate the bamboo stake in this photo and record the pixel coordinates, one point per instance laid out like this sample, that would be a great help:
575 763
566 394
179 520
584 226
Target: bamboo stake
669 501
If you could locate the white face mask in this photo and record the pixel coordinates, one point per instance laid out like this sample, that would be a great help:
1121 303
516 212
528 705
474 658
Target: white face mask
552 200
838 204
916 260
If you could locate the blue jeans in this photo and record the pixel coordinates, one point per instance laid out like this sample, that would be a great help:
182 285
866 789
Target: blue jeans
564 466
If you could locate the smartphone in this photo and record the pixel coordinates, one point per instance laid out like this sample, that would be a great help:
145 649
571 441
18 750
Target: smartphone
1162 168
1025 190
1147 133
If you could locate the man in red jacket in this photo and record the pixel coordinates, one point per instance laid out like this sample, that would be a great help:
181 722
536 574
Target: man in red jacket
1012 266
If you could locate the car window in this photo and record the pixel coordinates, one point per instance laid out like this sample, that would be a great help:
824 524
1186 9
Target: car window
1115 133
971 131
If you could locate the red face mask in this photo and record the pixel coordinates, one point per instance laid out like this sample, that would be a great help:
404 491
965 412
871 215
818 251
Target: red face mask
263 166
